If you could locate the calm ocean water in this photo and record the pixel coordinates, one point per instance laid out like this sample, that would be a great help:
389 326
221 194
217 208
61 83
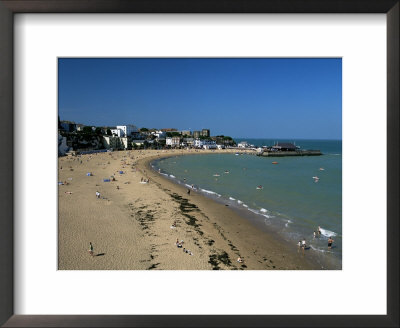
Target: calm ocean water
290 202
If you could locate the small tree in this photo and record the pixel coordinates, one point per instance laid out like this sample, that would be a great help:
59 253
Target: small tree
98 131
109 132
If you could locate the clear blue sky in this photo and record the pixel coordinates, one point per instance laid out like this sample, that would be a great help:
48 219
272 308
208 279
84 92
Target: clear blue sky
259 98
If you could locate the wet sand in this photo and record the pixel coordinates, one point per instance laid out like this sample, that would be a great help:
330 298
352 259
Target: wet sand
130 225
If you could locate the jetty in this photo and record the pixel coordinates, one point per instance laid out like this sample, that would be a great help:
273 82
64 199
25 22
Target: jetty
290 153
286 149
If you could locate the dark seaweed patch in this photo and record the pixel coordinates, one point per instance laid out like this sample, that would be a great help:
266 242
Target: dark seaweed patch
224 258
213 261
153 266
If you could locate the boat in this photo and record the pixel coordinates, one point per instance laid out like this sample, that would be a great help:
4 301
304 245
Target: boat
237 154
226 172
259 187
274 162
216 175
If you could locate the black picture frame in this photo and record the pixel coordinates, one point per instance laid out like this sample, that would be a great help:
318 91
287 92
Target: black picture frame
10 7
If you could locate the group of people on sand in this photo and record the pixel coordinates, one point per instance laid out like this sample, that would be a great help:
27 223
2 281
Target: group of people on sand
302 244
144 180
179 244
240 259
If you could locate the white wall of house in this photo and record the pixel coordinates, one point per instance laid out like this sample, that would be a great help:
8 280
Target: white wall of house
127 129
159 134
117 132
173 142
201 143
111 142
124 142
137 142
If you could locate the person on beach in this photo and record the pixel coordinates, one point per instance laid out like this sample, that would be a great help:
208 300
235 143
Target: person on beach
319 230
315 234
240 260
330 242
188 191
97 194
91 249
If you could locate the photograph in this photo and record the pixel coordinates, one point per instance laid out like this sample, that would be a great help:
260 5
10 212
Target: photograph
199 163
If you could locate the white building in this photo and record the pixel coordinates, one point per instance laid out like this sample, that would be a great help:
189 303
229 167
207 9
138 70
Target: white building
159 134
128 129
243 144
117 132
111 142
124 130
205 143
138 142
172 141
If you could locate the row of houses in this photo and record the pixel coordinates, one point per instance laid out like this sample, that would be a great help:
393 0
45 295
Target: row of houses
129 136
132 131
192 142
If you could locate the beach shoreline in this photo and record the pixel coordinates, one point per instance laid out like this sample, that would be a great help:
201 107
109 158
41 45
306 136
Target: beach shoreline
132 225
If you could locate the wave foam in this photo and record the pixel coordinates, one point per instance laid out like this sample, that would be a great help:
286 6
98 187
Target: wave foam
263 210
231 198
254 211
210 192
327 233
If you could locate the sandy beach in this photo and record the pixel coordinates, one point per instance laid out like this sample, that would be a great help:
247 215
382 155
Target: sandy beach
131 224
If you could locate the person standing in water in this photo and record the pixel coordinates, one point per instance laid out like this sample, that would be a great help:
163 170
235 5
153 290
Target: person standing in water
330 242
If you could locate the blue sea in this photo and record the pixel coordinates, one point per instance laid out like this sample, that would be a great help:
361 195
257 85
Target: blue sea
291 203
